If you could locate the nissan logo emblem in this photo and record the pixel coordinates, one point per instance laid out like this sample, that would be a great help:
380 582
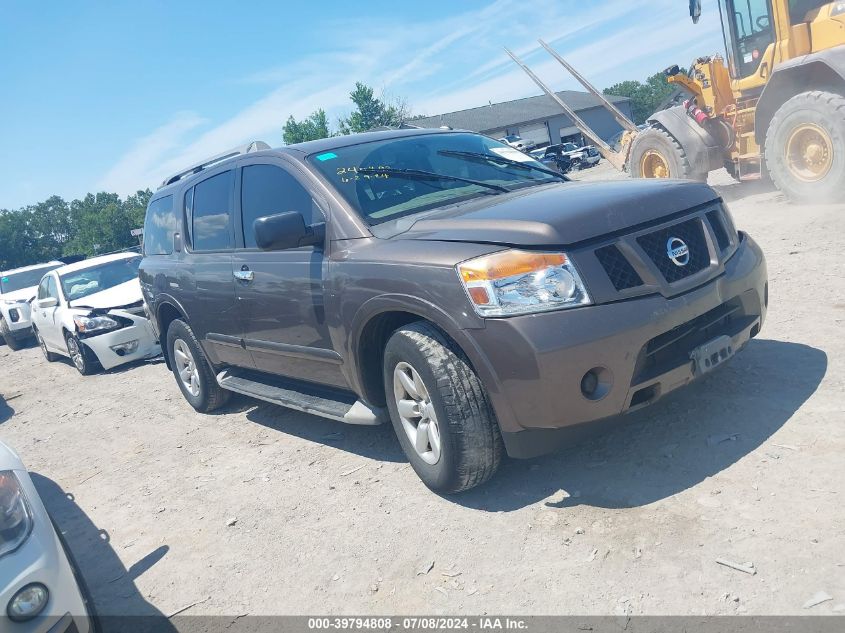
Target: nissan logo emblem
678 251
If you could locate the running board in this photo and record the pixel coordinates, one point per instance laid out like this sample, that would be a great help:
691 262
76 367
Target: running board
326 403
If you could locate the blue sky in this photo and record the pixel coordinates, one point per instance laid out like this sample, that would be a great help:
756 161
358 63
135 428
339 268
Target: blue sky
114 96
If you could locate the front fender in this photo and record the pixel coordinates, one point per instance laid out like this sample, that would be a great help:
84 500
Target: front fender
428 311
702 149
824 70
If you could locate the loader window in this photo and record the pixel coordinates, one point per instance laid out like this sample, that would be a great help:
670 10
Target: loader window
749 30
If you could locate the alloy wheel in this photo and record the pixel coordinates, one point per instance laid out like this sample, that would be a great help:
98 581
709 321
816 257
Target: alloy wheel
186 367
416 412
75 353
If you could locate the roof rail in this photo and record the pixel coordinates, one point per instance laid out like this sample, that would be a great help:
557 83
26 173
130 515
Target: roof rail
254 146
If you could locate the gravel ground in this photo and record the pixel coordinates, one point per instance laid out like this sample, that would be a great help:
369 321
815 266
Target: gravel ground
262 510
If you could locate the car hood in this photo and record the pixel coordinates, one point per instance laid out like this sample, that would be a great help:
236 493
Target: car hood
9 459
559 214
24 294
125 294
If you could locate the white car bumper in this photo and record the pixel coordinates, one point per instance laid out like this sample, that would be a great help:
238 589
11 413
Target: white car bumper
41 559
133 342
18 318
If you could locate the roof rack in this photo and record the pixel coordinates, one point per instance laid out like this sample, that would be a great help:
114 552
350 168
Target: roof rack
254 146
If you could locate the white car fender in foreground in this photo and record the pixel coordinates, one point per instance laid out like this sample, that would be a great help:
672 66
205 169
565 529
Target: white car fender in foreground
40 558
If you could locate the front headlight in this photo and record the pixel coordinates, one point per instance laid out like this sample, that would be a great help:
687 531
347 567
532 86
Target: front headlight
94 324
521 282
15 517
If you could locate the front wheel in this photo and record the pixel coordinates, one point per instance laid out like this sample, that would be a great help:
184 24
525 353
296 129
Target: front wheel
192 371
805 147
14 343
83 358
439 410
656 154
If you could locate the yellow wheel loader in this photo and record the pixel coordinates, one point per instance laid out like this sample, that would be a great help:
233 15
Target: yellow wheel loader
774 108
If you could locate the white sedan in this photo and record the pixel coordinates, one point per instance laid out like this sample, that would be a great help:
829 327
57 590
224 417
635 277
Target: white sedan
39 590
93 312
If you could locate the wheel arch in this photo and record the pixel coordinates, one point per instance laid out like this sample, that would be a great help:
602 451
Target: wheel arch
167 312
824 70
379 318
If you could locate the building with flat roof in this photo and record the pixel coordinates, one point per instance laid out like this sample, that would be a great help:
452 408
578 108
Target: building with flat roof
538 118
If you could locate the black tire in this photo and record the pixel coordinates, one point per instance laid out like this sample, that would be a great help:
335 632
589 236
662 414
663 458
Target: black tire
210 395
12 341
659 141
51 357
824 111
85 361
470 443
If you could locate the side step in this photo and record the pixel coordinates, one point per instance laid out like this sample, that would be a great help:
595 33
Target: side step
327 403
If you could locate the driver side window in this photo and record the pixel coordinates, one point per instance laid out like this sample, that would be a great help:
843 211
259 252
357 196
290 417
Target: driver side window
268 190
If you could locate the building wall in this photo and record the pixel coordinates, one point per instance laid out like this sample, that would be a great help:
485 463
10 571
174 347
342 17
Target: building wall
598 118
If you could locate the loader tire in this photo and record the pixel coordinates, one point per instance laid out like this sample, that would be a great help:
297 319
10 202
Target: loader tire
805 147
657 154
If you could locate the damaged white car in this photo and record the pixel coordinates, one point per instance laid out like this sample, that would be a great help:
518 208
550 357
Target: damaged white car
93 312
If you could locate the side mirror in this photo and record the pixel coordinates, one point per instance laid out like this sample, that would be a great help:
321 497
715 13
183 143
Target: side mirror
286 230
49 302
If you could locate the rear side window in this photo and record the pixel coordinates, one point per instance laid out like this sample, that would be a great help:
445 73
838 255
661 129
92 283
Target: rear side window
159 227
268 190
212 212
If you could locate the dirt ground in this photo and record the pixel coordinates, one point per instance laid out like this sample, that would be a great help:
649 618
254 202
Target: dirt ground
261 510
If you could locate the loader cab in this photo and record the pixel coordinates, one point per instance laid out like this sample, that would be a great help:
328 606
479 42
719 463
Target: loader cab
749 30
760 33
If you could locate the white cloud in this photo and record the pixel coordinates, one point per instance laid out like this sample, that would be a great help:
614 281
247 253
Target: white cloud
145 154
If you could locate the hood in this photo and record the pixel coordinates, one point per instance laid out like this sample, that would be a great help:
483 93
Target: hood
24 294
561 214
9 459
118 296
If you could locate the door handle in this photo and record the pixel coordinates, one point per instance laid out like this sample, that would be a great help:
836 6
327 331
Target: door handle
244 275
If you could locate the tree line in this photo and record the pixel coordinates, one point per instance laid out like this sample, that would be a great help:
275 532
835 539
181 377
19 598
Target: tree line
55 229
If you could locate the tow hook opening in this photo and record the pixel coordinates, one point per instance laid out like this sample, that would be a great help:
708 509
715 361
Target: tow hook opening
644 396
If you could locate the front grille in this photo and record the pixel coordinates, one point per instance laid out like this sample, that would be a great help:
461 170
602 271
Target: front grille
692 233
617 267
718 225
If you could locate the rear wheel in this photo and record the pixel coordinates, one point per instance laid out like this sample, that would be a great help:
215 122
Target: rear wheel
13 342
50 356
440 410
193 372
656 154
83 358
805 147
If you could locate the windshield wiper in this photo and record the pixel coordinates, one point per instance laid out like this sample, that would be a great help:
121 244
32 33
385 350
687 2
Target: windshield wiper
419 174
490 158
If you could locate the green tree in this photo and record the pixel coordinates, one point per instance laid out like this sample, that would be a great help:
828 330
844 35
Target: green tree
645 97
371 112
314 127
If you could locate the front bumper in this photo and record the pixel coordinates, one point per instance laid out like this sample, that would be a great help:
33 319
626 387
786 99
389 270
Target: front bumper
141 331
533 365
42 559
18 319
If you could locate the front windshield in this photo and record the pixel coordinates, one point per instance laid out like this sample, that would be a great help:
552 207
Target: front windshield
748 25
380 197
25 279
81 283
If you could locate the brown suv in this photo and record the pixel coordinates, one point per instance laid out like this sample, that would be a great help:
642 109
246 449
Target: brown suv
446 282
